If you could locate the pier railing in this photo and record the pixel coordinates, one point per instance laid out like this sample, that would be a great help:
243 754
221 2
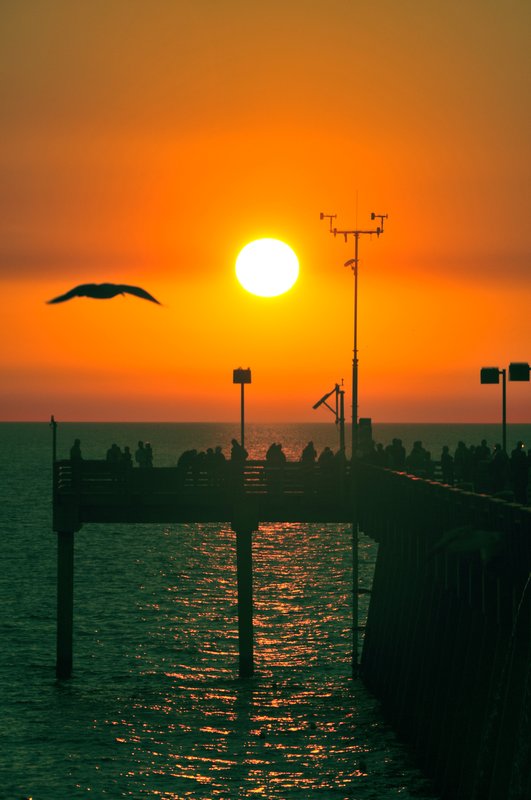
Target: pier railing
448 640
99 491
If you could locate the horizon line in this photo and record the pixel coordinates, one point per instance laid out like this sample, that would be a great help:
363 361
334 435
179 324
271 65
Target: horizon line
248 423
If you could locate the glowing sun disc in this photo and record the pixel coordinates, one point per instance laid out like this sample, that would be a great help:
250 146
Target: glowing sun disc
267 267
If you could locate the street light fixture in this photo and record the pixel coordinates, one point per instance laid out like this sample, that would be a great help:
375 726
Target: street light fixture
518 371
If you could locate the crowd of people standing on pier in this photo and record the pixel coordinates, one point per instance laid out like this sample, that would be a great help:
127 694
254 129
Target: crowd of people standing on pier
477 467
123 458
485 470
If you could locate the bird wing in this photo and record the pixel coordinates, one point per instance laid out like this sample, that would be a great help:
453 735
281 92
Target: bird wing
83 290
136 290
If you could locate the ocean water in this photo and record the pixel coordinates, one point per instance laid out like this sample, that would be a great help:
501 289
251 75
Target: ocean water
155 708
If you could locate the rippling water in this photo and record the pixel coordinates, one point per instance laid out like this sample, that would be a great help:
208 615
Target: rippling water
155 707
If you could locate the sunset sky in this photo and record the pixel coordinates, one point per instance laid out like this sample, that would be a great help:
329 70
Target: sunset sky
147 142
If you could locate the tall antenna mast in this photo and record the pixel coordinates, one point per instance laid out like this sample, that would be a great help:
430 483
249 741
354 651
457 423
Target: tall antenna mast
353 264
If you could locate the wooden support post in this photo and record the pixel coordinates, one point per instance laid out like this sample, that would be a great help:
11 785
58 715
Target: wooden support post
244 564
243 524
65 603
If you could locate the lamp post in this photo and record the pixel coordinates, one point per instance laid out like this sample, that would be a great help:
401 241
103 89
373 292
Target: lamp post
518 371
242 376
492 375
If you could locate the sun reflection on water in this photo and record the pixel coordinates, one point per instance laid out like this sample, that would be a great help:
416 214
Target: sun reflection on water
301 725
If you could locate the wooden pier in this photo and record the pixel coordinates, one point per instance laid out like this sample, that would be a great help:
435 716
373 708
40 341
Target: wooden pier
96 491
448 641
447 648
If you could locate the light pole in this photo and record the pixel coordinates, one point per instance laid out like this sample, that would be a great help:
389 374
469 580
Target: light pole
353 264
242 376
518 371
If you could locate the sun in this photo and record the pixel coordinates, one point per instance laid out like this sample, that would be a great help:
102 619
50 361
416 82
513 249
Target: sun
267 267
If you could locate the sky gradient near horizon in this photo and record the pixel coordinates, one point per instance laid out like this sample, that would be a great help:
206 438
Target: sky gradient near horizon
147 142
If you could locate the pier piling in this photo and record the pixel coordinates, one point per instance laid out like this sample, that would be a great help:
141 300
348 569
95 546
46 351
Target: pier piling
65 603
244 565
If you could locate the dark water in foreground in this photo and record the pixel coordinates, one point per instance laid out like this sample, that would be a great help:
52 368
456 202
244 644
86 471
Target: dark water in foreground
155 708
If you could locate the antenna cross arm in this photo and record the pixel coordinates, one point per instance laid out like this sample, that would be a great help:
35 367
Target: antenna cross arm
346 234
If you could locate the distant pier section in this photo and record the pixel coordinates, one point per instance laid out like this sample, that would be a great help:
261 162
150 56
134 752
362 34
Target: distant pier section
96 491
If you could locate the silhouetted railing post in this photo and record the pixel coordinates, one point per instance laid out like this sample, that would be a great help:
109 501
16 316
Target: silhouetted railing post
65 602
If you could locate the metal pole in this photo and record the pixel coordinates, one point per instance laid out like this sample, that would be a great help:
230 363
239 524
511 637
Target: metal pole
242 414
53 425
342 420
504 409
354 446
355 556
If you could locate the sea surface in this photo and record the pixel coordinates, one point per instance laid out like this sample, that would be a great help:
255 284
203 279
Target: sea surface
155 708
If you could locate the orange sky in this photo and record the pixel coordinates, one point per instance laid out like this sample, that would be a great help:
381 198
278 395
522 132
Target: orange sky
148 142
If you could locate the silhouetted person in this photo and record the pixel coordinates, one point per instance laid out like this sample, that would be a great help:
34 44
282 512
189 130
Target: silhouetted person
275 460
481 459
325 457
308 457
447 466
309 454
140 455
185 465
127 458
75 451
238 453
380 456
114 454
518 470
396 455
148 455
498 469
198 467
417 460
460 462
483 451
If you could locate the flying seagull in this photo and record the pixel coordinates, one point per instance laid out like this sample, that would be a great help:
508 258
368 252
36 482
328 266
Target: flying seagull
103 291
